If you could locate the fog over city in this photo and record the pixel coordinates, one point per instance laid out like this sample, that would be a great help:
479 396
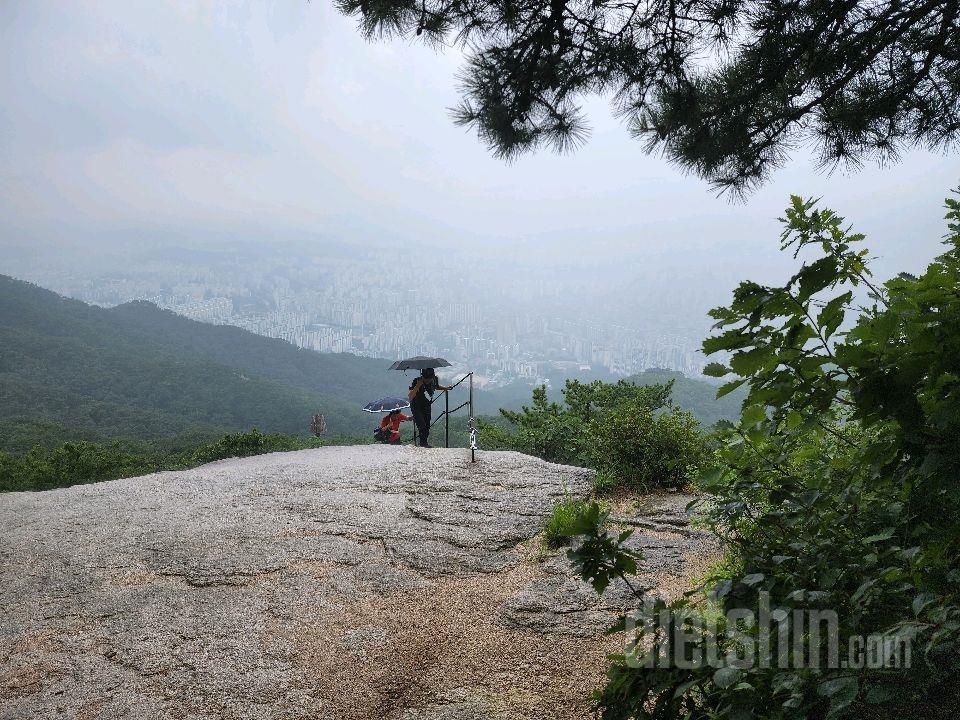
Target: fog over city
260 164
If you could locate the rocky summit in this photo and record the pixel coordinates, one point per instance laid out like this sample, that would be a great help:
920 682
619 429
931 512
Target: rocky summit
346 582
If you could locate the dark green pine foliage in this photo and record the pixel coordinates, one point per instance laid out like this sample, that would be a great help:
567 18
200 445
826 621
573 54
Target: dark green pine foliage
724 88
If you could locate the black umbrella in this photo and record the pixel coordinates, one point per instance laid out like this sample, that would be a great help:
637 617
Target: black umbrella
419 363
387 404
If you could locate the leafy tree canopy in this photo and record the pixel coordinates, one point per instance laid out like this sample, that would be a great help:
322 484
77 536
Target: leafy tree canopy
723 87
836 490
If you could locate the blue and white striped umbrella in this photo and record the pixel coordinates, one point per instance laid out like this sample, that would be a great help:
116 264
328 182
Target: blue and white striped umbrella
387 404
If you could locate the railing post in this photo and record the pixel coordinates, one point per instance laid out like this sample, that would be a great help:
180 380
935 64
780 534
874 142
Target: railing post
446 418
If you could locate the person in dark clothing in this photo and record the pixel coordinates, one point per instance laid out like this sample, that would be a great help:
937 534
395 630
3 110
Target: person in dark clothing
420 395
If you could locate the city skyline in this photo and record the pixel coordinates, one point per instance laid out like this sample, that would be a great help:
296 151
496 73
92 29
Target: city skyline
506 326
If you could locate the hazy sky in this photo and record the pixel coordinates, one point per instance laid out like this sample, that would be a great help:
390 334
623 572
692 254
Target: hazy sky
125 121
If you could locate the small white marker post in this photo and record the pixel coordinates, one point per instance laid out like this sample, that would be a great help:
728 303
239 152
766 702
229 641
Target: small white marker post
473 426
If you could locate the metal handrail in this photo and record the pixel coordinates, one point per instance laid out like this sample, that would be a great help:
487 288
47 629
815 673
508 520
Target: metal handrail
450 412
468 375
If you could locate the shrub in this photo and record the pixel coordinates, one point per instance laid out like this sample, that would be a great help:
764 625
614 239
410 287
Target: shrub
545 429
561 524
254 442
11 476
495 436
635 448
70 464
631 434
75 463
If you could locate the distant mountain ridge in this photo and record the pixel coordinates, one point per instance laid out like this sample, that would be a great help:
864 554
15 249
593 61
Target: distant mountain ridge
69 370
697 396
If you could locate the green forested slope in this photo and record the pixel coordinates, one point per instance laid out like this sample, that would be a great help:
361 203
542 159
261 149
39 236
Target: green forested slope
69 370
696 396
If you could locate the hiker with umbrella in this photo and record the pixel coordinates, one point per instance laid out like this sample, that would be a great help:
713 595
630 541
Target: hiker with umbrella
421 391
389 430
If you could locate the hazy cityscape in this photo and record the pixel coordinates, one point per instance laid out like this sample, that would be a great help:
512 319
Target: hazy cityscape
522 322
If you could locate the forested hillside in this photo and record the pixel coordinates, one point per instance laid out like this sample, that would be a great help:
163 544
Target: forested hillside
72 371
696 396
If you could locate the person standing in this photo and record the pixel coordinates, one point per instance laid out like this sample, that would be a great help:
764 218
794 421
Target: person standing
420 396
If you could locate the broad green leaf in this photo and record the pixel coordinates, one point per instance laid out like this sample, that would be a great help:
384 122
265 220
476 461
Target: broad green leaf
829 688
921 601
716 369
683 687
726 676
749 361
723 588
841 691
730 340
729 387
815 277
832 314
860 591
752 415
712 475
885 535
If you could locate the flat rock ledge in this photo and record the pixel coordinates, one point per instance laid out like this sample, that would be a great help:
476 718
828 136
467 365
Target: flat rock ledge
349 583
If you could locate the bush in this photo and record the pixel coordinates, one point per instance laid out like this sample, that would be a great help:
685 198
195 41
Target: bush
11 477
495 436
635 448
545 429
244 444
70 464
631 434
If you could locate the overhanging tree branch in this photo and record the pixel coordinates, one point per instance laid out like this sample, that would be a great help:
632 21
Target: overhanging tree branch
724 88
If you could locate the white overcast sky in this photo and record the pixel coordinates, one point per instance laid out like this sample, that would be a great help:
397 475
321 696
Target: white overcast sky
126 120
